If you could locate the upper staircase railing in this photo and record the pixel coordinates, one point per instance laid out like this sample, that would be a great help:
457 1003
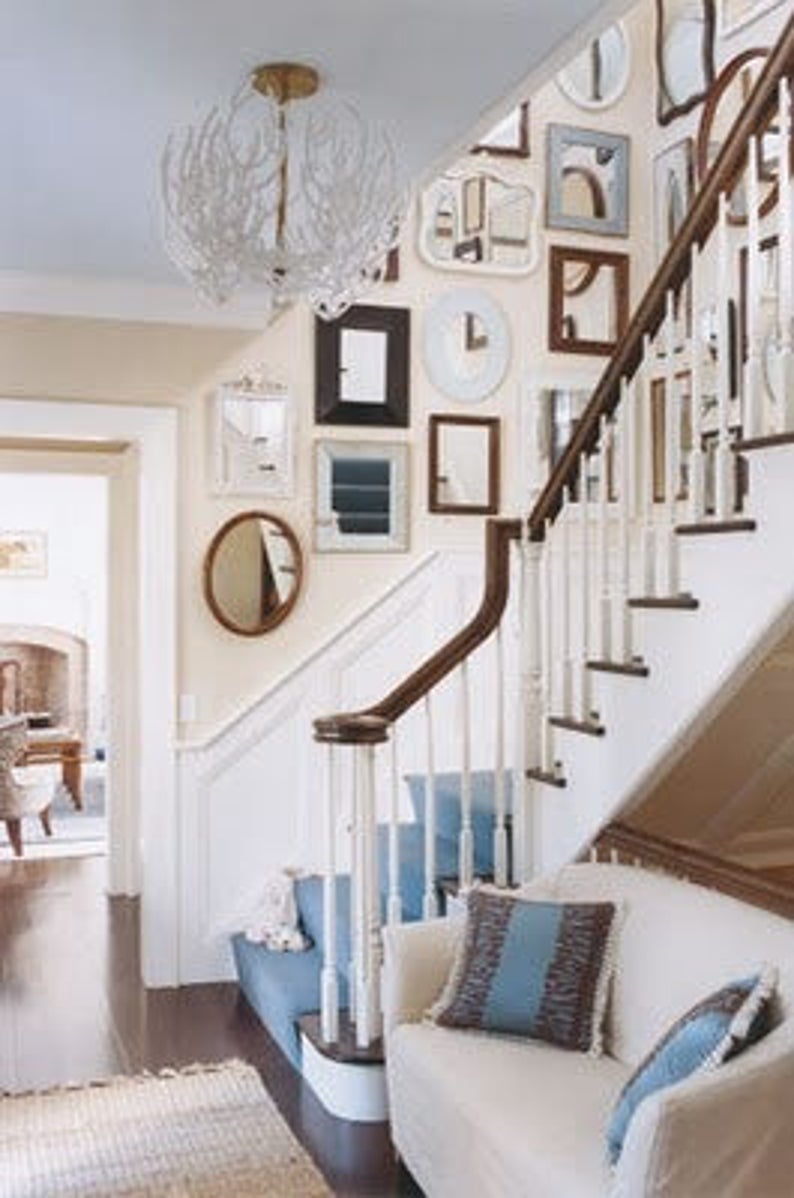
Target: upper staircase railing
652 457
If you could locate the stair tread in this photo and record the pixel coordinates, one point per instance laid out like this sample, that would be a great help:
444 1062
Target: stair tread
704 527
767 442
588 727
633 669
673 602
547 778
345 1050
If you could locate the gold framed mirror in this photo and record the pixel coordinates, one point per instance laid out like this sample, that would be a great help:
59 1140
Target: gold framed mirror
252 573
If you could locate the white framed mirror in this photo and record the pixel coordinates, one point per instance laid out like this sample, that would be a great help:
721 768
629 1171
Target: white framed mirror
252 449
597 77
478 222
361 496
466 344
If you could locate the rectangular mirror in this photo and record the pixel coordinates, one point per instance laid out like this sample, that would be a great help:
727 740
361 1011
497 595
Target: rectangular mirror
361 500
362 367
589 302
684 56
464 459
252 443
588 174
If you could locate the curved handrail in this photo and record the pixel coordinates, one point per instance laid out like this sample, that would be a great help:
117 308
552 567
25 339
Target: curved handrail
672 273
371 726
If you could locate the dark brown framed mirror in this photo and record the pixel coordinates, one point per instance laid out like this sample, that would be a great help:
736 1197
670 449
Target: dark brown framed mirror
361 367
589 299
464 465
253 571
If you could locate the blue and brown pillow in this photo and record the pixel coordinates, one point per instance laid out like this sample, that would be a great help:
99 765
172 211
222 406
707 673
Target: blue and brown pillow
534 969
716 1029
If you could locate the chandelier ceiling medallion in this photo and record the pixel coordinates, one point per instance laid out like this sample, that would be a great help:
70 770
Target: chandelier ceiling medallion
302 198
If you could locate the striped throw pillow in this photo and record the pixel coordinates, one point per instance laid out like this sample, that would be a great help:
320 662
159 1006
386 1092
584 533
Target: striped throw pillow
716 1029
534 969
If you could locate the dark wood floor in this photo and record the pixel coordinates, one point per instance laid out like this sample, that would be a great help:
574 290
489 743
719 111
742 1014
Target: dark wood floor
72 1008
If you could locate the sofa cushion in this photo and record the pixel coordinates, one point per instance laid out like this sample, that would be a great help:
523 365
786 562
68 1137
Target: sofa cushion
713 1031
535 969
505 1116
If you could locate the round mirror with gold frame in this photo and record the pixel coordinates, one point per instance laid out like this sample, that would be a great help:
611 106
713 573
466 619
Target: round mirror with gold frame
252 573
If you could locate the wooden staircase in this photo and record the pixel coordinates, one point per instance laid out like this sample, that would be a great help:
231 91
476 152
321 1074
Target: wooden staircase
642 600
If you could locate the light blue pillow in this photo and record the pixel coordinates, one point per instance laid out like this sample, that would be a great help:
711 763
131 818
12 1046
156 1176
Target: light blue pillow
718 1028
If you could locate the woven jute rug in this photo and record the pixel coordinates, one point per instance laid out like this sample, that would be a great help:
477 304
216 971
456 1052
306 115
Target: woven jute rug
203 1132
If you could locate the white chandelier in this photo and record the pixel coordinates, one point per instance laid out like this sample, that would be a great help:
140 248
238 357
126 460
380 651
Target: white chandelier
301 198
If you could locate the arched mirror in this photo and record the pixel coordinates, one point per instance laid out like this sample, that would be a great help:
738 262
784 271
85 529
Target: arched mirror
597 77
252 573
466 344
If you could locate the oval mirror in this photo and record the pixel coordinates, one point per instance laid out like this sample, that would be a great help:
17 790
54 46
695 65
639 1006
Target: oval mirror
597 77
252 573
466 344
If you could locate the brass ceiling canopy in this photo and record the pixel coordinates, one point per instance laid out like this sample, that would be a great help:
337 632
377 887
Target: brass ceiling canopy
285 81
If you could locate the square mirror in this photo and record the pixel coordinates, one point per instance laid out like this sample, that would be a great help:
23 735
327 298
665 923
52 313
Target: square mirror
588 173
463 465
361 497
589 302
252 452
361 367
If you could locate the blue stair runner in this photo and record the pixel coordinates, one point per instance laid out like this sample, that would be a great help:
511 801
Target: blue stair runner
283 986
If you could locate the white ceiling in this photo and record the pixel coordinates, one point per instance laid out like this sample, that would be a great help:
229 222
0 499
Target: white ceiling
90 88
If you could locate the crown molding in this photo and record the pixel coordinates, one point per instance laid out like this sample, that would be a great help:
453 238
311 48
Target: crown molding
97 298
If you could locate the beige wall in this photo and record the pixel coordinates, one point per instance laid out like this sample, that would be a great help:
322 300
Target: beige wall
108 361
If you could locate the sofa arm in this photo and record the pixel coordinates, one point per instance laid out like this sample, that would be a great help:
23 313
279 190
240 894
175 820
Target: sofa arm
721 1134
417 958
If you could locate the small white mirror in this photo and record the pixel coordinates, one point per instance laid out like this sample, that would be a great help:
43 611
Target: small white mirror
252 443
466 344
597 77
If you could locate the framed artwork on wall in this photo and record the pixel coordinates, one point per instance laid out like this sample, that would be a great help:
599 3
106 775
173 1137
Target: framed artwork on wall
673 186
684 56
361 496
23 555
510 137
362 367
588 180
463 465
252 442
597 77
477 222
589 300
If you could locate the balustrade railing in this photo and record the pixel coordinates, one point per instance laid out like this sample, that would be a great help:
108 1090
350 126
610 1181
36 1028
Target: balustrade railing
707 360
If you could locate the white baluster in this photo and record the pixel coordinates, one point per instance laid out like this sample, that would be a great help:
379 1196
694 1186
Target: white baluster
625 442
532 552
723 457
329 982
648 517
697 463
500 826
585 582
430 901
466 839
672 428
547 731
605 600
368 1004
394 905
566 653
752 382
356 894
785 212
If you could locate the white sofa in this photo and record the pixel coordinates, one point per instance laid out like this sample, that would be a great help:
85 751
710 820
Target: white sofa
476 1115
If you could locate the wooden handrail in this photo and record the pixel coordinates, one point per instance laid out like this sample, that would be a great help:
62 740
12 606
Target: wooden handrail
673 270
684 861
371 726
